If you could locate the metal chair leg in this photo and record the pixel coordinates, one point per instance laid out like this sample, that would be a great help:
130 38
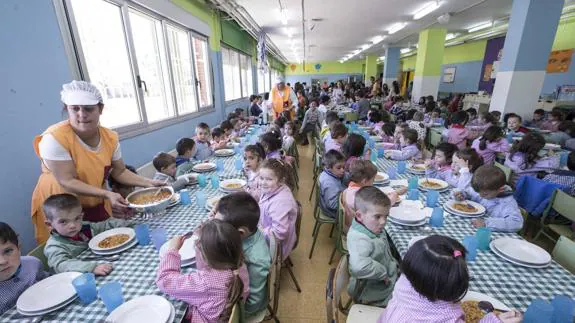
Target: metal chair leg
314 241
331 232
272 315
289 265
332 254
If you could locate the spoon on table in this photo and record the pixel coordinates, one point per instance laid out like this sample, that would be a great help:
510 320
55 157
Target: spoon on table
487 307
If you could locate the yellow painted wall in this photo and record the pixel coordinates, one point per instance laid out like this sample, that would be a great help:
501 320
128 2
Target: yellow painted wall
327 67
565 37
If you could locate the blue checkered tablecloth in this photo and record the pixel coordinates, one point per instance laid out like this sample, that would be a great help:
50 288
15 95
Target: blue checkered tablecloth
514 285
137 267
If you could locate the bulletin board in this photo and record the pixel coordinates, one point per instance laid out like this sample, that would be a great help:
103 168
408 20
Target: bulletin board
449 75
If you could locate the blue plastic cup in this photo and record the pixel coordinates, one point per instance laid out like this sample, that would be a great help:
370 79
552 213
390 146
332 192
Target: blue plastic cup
239 164
215 182
432 198
483 238
413 194
436 219
202 181
539 311
392 172
563 156
85 286
509 138
111 295
563 307
401 165
219 165
470 244
413 183
373 156
380 152
159 237
185 197
237 149
371 143
142 234
201 199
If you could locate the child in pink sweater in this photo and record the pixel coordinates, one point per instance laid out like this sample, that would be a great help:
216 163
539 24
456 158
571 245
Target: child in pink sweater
457 133
492 142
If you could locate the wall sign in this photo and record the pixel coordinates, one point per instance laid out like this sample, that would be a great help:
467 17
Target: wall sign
559 61
449 74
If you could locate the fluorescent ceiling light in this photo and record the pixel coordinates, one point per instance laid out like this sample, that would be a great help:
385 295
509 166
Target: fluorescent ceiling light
453 43
396 27
377 39
382 58
427 9
480 26
450 36
405 50
356 52
364 47
284 18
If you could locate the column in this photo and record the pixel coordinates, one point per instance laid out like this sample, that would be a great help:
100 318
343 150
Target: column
391 66
529 40
370 66
428 64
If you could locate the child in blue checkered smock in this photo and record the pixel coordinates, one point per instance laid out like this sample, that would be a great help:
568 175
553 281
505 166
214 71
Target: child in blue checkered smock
565 178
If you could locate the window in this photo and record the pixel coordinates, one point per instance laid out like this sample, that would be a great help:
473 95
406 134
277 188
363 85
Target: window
261 85
267 81
148 68
237 69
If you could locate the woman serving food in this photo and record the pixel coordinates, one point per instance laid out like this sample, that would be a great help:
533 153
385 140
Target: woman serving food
77 157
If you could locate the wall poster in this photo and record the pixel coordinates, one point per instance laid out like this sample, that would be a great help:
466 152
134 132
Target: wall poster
449 74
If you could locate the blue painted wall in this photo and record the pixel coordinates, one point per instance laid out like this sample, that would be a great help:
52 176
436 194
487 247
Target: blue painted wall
466 77
555 79
330 77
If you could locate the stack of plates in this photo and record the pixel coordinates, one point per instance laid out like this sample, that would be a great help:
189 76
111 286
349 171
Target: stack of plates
204 167
434 184
48 295
187 251
212 201
389 189
418 169
224 152
132 241
549 146
467 209
232 185
150 308
381 179
521 252
376 138
408 216
175 200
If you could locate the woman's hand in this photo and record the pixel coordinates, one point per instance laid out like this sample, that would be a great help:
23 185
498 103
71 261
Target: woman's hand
512 316
119 204
157 183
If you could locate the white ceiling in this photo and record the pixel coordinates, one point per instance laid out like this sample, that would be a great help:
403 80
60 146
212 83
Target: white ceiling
347 25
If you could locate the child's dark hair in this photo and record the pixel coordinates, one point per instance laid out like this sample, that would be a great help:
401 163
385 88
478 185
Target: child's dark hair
362 170
491 134
444 102
571 161
332 157
410 114
530 145
256 149
488 178
410 135
471 112
496 114
375 116
232 115
436 268
217 132
511 115
368 196
429 106
459 117
388 128
7 234
291 126
226 125
234 121
489 118
338 130
270 142
59 202
281 122
540 112
324 99
567 127
330 117
221 247
353 146
558 114
447 149
385 116
163 160
184 145
203 126
113 183
253 97
436 110
240 210
472 158
239 111
281 169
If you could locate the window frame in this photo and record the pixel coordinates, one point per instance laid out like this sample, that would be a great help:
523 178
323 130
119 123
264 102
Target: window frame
78 67
249 60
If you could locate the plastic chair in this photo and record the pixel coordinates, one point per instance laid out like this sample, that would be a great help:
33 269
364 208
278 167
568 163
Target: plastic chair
273 283
564 204
341 238
317 166
434 138
329 295
235 317
320 219
363 313
340 282
564 253
508 172
350 116
38 252
287 262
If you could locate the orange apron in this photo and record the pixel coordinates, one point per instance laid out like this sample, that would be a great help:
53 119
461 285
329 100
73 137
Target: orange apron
279 100
92 168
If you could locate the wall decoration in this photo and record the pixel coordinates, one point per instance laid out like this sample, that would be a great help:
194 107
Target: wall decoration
317 67
493 53
487 72
293 67
449 74
559 61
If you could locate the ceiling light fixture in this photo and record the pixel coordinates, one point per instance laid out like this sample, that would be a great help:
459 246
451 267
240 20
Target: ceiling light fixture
364 47
427 9
450 36
377 39
480 26
382 58
405 50
396 27
454 43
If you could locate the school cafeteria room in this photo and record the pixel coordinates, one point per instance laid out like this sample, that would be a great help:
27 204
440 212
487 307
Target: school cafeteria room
244 161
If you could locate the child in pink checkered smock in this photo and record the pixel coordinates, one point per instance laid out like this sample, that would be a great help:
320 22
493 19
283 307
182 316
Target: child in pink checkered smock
434 280
221 279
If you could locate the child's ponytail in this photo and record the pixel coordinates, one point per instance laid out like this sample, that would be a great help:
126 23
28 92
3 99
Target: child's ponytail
235 290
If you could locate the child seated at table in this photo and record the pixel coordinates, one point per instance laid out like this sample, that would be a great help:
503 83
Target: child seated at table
416 123
565 178
254 155
472 119
492 141
353 149
331 182
489 188
272 144
386 133
338 135
219 140
484 121
457 134
434 279
527 157
373 270
331 119
69 235
221 279
124 191
165 165
538 119
375 119
432 118
496 116
227 128
552 124
514 127
439 166
243 212
565 131
410 148
288 140
202 139
237 130
465 163
186 148
17 272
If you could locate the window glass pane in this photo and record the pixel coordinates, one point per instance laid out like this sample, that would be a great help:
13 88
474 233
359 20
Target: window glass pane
261 86
267 81
150 56
181 61
107 60
228 77
247 85
235 62
202 65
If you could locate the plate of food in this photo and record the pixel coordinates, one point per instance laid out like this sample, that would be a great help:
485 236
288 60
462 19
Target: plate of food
465 207
175 200
233 185
433 184
204 167
381 177
470 306
224 152
150 200
112 239
416 168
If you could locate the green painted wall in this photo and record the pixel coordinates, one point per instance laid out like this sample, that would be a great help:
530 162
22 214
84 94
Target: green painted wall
432 49
327 67
200 10
565 37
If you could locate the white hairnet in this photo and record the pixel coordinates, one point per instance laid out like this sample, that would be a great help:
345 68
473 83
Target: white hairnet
80 93
279 80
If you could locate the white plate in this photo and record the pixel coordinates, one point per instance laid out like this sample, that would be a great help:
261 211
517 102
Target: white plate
49 310
475 296
224 152
204 167
175 200
414 240
116 251
212 201
392 220
480 208
453 212
93 244
58 287
149 308
407 214
383 178
187 251
444 184
549 146
376 138
519 263
523 251
417 171
233 181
